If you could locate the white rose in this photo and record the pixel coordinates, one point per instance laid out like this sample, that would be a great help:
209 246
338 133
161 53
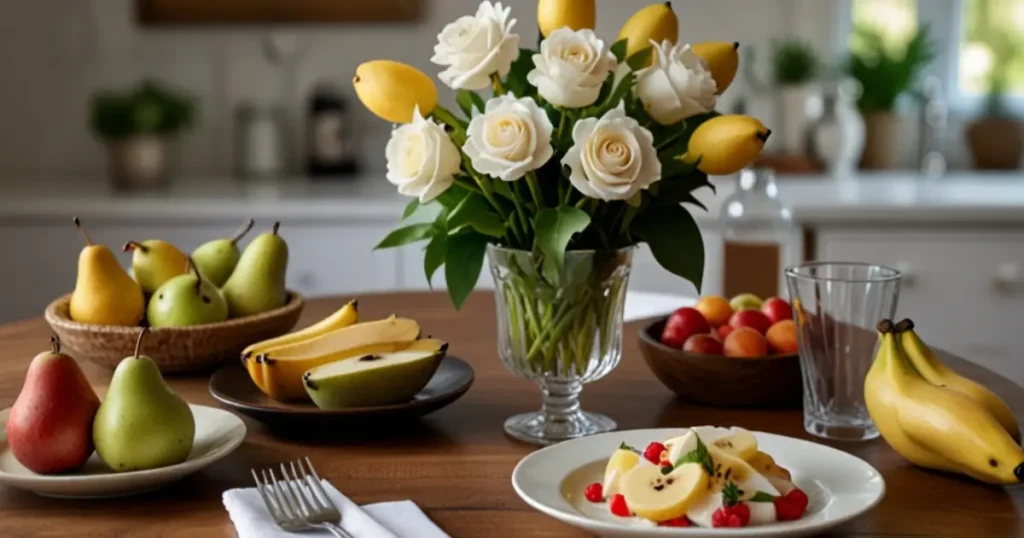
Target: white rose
571 67
422 160
677 86
510 138
475 47
612 158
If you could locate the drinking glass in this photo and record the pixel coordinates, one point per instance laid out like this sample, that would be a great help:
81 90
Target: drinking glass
836 307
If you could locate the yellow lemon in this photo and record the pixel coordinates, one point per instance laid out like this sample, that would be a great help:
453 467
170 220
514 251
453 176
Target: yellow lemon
555 14
726 144
722 59
392 90
656 21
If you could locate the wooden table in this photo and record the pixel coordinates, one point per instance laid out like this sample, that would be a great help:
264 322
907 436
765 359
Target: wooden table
457 462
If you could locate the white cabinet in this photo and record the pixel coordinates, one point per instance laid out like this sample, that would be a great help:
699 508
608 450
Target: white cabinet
963 288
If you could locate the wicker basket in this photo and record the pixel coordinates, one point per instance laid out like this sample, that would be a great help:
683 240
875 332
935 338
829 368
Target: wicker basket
176 350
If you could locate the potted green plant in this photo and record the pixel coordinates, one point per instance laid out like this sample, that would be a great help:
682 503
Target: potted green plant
996 138
795 66
885 75
138 126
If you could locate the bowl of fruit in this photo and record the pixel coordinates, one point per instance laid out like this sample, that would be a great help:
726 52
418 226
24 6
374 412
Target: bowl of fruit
731 353
201 309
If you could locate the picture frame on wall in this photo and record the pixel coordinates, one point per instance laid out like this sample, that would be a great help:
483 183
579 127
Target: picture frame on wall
201 12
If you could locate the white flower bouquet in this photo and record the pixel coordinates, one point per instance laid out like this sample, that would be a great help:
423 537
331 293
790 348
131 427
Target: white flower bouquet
580 147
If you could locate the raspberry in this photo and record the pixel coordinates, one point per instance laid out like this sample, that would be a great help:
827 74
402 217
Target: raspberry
594 493
737 515
618 506
653 452
791 506
677 522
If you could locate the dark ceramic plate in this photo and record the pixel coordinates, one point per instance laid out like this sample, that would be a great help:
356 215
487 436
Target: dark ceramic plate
766 382
233 388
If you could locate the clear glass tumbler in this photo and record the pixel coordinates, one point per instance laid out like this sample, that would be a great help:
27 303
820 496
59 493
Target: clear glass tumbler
836 307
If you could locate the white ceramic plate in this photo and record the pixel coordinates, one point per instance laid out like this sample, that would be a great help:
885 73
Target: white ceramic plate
218 433
839 486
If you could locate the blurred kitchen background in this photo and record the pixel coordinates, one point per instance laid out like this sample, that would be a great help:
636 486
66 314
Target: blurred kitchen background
897 140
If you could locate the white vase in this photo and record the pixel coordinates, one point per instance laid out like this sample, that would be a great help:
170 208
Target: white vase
837 137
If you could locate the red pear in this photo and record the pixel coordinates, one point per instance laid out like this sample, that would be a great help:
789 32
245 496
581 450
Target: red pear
49 429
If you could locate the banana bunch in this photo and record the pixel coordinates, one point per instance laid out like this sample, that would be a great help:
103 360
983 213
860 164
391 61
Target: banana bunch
936 418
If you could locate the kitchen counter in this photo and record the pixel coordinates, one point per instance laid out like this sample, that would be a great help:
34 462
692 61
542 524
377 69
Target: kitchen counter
870 199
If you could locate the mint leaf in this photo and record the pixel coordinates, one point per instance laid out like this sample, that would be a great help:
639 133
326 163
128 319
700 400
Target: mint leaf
624 446
698 455
731 494
762 497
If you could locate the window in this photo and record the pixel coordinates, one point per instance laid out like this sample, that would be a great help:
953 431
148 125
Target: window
979 43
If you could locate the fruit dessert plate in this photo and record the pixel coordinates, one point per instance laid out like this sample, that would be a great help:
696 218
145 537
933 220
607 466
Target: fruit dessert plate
217 434
704 481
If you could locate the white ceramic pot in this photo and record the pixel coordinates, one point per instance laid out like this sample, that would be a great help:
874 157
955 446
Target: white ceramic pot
139 162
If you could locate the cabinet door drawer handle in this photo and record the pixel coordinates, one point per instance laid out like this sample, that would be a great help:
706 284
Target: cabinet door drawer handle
909 278
1008 278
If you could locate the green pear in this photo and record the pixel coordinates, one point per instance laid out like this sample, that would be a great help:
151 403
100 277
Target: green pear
186 299
154 262
375 379
216 259
257 284
142 423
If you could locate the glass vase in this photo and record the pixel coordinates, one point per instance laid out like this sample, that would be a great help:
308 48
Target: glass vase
561 327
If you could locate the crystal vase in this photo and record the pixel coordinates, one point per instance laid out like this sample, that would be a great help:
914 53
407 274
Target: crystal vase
561 326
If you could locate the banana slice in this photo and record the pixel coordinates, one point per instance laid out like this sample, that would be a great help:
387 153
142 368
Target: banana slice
660 497
622 461
729 468
765 464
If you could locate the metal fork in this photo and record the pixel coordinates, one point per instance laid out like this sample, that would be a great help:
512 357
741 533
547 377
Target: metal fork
299 503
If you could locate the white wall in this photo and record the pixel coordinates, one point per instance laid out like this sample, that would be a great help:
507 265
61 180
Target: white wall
53 53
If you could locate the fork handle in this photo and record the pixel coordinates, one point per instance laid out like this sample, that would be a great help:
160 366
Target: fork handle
336 530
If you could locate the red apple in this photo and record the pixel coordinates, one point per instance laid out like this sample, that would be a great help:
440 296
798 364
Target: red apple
705 344
682 324
755 319
724 331
777 309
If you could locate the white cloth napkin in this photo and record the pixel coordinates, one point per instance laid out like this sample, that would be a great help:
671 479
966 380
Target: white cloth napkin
400 519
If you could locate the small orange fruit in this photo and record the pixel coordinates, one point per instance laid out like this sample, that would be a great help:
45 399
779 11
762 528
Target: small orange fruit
782 337
715 308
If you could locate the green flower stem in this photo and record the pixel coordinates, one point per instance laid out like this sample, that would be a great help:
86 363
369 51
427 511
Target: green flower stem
485 189
531 182
561 125
521 210
496 83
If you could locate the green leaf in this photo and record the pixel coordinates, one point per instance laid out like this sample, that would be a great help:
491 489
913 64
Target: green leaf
699 455
433 256
621 90
675 240
679 191
476 212
411 208
502 188
452 197
762 497
406 235
554 228
516 82
619 49
731 494
468 100
640 59
624 446
462 264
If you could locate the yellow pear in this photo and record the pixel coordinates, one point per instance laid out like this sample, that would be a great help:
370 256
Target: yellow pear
393 89
575 14
726 144
154 262
104 293
655 22
722 59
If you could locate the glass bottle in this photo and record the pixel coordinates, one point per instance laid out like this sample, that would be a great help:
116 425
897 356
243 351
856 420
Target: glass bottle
758 235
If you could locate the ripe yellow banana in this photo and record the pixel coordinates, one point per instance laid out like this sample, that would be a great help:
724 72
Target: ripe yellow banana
722 59
343 317
391 90
937 373
655 22
934 427
726 144
575 14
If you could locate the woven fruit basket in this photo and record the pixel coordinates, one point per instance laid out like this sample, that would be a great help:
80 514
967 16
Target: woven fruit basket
176 350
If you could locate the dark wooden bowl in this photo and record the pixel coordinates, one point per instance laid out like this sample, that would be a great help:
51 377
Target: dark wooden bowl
768 382
176 350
